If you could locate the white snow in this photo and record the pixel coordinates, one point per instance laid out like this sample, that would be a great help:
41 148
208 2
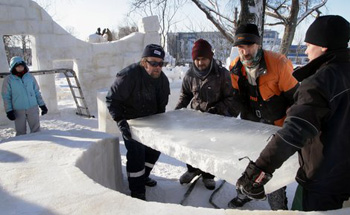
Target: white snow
71 167
68 168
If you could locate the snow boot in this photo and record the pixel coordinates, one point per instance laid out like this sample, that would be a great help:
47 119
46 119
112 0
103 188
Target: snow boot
150 182
238 201
188 176
209 183
141 196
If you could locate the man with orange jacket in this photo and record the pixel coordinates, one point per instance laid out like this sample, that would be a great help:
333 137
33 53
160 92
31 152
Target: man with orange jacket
264 88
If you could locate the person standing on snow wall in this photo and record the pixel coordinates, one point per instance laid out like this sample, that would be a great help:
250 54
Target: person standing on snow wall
207 85
317 125
264 88
21 96
139 90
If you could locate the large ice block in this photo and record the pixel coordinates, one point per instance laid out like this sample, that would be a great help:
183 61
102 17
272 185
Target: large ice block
211 142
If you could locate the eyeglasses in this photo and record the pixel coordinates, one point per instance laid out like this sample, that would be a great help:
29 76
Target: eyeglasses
155 63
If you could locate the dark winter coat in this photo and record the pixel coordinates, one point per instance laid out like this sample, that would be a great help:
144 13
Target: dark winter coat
135 93
268 101
317 126
213 91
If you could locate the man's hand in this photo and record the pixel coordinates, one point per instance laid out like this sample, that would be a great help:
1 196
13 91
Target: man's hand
252 182
43 109
11 115
124 129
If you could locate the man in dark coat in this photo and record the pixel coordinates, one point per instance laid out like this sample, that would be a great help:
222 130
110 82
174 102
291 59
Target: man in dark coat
317 125
139 90
207 86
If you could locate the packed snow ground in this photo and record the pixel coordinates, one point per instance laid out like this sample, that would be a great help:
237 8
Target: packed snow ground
166 171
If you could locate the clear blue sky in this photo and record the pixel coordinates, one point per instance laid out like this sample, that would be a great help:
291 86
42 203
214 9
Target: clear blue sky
84 16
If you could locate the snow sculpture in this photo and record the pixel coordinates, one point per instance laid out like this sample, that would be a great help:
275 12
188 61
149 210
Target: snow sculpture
95 64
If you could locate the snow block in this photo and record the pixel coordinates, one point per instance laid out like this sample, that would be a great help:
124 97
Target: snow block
149 24
211 142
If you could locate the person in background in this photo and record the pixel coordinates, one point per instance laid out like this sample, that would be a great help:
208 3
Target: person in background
263 88
21 96
139 90
207 86
317 125
98 31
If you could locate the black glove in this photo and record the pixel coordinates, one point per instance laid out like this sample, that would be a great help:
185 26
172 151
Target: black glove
43 109
212 110
124 129
11 115
252 182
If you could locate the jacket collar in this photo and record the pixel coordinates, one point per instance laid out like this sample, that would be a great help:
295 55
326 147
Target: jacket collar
311 68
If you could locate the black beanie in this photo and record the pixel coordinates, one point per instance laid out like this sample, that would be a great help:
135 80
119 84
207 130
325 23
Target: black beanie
202 48
153 50
332 32
247 34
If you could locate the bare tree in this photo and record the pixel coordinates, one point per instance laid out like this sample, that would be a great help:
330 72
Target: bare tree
252 11
164 9
291 13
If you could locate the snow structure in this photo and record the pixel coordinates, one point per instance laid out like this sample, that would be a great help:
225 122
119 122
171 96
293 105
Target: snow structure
211 142
95 63
95 38
70 169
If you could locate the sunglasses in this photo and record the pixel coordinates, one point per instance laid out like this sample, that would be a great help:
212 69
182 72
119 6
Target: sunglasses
155 63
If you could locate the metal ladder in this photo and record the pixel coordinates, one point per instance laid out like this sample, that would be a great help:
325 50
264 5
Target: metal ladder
82 108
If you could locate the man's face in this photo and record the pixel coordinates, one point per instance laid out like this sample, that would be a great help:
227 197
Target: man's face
153 66
313 51
247 52
202 63
19 68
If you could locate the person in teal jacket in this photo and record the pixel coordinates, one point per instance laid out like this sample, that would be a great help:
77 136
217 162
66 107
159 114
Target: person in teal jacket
21 96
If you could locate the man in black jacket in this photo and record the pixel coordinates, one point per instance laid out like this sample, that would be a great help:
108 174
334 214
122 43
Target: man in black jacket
139 90
207 85
317 125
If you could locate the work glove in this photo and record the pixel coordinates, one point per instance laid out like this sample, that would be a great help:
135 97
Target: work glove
11 115
124 129
252 182
43 109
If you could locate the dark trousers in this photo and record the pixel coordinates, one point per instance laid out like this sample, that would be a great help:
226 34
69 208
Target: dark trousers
139 164
204 174
306 200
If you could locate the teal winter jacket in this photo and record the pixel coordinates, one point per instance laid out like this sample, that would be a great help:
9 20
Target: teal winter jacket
20 93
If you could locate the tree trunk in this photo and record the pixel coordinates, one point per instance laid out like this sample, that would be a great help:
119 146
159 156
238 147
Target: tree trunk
252 11
290 28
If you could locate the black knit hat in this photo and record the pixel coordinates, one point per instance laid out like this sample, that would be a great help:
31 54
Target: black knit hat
247 34
153 50
332 32
202 48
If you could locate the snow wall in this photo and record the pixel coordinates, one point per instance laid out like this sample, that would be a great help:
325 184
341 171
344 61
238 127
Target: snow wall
95 64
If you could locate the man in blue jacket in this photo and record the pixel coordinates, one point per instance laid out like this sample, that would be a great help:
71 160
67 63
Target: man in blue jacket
21 96
139 90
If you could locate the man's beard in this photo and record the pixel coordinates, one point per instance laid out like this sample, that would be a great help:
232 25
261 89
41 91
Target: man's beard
250 60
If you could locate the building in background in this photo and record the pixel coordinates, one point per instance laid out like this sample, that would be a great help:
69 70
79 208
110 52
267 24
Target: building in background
179 45
297 54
